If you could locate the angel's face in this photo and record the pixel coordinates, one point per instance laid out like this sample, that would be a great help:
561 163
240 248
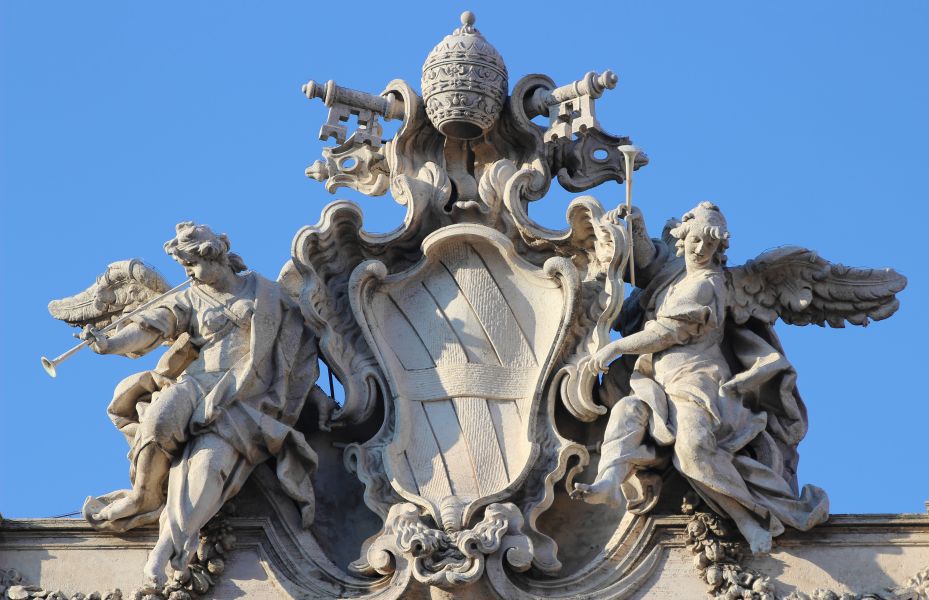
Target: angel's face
203 271
699 249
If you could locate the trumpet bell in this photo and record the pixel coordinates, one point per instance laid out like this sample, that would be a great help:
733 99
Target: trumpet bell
49 367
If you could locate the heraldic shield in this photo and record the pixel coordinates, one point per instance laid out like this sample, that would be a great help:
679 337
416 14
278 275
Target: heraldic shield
466 339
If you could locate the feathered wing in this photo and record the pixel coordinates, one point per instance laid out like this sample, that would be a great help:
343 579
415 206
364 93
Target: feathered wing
801 288
123 287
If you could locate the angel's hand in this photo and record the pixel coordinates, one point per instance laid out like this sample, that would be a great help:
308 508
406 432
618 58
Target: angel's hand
580 491
624 213
99 343
601 360
333 421
326 409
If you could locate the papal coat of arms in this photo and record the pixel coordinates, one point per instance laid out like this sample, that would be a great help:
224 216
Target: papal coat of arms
479 371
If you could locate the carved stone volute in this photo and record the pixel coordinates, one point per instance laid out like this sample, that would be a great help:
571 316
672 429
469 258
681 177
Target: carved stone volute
471 348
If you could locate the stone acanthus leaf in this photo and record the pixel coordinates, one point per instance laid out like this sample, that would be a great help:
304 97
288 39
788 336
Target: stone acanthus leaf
450 559
441 182
467 343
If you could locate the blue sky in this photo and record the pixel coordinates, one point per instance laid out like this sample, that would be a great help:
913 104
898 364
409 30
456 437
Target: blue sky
806 122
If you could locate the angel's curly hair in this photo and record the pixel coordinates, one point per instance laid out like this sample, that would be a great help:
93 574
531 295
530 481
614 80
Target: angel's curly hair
709 220
192 241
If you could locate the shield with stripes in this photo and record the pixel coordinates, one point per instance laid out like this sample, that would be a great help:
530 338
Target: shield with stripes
465 339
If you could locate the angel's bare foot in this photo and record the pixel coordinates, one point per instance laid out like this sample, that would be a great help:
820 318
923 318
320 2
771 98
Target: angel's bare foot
154 570
131 504
602 491
760 542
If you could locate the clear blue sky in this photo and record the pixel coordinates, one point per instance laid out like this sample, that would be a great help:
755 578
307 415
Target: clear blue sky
806 122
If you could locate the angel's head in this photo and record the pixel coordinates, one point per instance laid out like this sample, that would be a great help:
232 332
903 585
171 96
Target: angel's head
702 236
202 253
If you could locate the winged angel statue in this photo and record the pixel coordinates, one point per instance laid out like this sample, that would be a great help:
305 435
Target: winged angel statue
711 389
469 343
223 399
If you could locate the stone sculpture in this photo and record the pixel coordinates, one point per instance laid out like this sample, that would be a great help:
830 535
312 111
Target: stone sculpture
711 379
469 343
223 398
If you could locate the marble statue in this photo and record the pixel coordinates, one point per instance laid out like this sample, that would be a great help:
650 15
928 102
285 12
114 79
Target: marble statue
711 386
469 343
223 398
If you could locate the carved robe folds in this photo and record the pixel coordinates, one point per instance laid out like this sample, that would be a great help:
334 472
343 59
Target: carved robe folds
738 448
255 363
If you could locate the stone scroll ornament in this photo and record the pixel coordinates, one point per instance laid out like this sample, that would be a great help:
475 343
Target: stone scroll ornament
473 338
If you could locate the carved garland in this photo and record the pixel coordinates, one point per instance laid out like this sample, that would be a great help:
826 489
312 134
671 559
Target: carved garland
718 551
216 541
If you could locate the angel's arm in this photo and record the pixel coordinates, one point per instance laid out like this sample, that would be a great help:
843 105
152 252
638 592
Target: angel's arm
145 331
676 324
124 286
645 251
653 338
131 339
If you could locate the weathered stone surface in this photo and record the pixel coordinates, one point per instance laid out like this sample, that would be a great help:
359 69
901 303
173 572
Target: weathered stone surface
853 554
712 389
469 343
224 398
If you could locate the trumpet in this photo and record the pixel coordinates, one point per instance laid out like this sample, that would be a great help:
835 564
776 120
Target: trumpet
51 365
630 152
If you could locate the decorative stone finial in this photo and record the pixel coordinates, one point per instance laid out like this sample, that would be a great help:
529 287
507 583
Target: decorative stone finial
467 21
464 83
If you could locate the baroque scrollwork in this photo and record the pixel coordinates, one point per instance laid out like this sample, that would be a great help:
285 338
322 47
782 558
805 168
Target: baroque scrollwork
450 559
468 344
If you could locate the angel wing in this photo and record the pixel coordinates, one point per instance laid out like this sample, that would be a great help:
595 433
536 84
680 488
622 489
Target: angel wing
124 285
800 287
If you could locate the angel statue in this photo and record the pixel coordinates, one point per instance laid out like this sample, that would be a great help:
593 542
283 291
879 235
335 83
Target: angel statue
224 397
710 387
